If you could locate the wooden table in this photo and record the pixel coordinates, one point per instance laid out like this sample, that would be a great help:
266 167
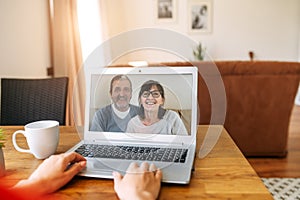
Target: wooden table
223 174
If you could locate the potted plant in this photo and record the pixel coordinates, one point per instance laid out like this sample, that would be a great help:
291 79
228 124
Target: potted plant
2 163
199 53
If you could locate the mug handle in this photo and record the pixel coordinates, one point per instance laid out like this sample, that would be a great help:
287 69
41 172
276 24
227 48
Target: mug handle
15 141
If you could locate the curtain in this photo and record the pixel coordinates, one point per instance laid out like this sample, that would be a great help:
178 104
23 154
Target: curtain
66 53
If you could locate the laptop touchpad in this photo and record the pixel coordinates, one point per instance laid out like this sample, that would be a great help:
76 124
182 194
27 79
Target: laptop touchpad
108 165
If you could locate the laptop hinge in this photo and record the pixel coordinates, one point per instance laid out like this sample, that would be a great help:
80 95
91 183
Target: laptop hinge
145 143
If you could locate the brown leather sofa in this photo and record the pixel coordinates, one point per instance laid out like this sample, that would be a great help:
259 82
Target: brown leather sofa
259 100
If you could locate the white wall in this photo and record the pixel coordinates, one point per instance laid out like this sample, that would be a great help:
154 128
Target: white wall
299 48
299 41
269 28
24 38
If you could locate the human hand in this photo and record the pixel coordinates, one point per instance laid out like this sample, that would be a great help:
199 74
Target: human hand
139 182
53 173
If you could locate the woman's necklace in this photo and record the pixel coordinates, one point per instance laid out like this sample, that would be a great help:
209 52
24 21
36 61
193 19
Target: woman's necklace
149 121
150 118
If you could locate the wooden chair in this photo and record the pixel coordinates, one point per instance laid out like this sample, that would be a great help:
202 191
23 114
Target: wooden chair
27 100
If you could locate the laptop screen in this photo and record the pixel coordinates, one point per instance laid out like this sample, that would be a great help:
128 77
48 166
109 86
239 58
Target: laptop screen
150 100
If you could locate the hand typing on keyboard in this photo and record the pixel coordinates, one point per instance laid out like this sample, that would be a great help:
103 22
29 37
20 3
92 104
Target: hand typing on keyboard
140 182
52 174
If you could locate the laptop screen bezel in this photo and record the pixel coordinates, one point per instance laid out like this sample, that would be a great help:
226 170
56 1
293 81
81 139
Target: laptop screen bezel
136 137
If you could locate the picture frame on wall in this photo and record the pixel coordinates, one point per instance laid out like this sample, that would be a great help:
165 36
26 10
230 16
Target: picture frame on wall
199 16
166 10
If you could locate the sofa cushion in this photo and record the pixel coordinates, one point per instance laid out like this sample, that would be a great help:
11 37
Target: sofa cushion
259 100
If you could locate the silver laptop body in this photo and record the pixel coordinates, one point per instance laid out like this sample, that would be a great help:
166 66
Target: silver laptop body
180 86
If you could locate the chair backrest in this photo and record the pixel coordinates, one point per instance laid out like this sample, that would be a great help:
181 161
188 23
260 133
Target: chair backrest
27 100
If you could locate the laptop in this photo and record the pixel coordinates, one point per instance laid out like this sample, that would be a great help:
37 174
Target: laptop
173 154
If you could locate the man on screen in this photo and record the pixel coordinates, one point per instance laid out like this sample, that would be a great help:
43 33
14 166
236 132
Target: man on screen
115 117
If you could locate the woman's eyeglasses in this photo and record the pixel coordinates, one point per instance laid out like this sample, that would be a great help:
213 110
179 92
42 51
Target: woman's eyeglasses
155 94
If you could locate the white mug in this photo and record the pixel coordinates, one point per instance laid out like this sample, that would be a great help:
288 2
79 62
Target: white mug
42 138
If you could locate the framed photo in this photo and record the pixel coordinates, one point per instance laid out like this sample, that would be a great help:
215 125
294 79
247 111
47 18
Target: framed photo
165 10
199 16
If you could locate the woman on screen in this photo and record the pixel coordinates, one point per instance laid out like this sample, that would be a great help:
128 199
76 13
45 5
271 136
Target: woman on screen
152 117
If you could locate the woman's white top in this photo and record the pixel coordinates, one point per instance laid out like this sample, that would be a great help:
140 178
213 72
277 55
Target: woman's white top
170 124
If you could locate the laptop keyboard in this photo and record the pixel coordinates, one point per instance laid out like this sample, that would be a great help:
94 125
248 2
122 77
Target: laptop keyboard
133 153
